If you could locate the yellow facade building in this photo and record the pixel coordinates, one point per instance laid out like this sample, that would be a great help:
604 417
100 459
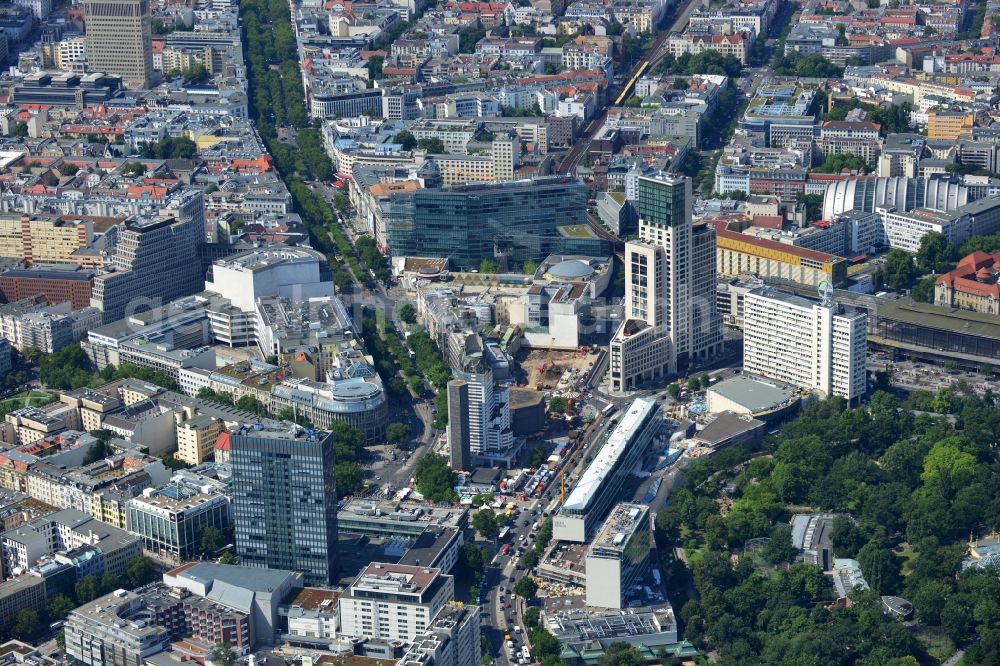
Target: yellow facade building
949 125
43 238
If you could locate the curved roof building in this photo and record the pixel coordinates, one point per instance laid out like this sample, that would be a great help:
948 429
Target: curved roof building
359 401
571 270
903 194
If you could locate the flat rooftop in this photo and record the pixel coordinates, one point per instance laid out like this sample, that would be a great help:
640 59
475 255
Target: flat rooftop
754 393
576 231
578 625
115 609
390 577
616 443
259 259
276 430
314 598
246 578
427 547
178 496
945 319
786 297
624 520
726 426
389 511
568 555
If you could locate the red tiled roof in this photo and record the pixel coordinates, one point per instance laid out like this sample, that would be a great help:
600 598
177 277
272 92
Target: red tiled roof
768 221
969 275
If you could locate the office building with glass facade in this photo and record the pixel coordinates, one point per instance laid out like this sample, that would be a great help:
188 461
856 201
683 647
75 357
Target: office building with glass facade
618 556
602 482
510 222
670 314
285 500
170 520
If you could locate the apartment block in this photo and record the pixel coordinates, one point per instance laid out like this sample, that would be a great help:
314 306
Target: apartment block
949 125
670 314
153 257
284 500
196 438
92 546
37 238
58 285
113 630
601 483
170 519
812 344
453 639
393 601
26 591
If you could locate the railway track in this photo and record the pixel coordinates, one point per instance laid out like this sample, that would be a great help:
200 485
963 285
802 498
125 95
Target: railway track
652 57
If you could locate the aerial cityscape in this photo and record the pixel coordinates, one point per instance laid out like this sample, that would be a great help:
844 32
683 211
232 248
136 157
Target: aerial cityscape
548 332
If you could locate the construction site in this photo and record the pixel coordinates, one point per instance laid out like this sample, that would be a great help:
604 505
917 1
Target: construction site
547 370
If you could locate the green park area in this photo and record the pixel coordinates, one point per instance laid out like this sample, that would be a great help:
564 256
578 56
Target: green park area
26 399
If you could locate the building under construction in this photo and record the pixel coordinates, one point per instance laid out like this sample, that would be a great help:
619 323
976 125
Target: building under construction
601 484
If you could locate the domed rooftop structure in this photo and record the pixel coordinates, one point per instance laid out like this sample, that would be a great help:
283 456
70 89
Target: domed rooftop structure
573 270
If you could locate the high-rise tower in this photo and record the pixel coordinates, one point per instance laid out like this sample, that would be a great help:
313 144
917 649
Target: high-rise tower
285 500
119 40
669 288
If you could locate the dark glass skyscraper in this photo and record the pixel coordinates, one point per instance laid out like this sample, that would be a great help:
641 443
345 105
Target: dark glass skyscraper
514 220
285 500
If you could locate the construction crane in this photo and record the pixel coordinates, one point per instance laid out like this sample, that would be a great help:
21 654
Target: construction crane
569 459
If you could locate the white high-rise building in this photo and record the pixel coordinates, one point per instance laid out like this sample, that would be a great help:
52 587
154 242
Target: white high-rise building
489 428
815 345
618 556
506 155
394 601
670 312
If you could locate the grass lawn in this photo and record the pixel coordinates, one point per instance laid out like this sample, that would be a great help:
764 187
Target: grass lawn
694 556
908 554
576 231
936 642
34 399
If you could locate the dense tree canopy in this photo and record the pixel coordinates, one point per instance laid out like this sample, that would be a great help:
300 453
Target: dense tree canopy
936 253
808 66
435 478
408 313
486 522
707 62
912 481
984 243
837 162
891 119
897 270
